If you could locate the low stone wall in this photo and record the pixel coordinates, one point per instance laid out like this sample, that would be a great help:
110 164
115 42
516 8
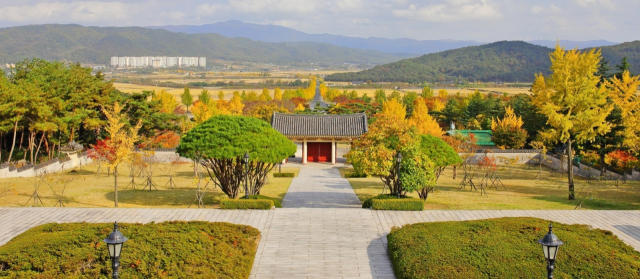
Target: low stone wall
52 166
501 157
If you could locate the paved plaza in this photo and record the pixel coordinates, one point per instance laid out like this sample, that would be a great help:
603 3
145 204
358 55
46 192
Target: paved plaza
321 232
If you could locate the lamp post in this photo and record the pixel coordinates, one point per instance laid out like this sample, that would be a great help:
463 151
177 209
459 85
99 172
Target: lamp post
550 244
246 175
398 161
115 241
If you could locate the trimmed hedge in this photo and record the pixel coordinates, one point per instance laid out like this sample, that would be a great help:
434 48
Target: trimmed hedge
507 248
246 204
276 202
391 202
284 174
398 204
155 250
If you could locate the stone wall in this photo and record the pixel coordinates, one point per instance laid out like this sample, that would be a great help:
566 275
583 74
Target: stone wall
52 166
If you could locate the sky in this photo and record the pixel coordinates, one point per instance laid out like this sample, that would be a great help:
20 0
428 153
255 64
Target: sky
479 20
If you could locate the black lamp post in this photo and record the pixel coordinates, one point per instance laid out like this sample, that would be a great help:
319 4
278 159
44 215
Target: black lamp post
550 244
398 161
115 241
246 175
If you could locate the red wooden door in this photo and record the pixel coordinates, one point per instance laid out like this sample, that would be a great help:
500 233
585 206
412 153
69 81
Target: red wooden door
319 152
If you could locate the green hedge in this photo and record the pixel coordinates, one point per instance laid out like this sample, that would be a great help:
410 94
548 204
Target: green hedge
276 202
167 250
391 202
507 248
284 174
398 204
246 204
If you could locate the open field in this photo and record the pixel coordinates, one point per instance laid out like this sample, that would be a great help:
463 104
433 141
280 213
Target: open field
89 190
523 191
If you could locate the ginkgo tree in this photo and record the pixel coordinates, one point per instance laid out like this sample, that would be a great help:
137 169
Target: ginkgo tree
576 107
421 119
121 141
507 133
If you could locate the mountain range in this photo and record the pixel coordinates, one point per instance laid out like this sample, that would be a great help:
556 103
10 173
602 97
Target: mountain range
276 33
507 61
97 44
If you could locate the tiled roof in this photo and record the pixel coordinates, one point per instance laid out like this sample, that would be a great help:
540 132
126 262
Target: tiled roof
346 125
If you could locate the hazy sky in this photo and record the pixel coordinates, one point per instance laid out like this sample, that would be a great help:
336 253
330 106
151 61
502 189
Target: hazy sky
481 20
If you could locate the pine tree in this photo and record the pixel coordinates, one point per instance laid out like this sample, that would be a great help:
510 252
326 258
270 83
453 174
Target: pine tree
571 99
186 98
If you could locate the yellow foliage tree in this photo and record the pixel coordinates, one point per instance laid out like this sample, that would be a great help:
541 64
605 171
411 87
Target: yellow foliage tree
277 94
236 105
265 96
437 105
168 103
300 107
311 90
220 95
443 94
121 141
202 112
393 108
423 121
510 120
623 93
323 90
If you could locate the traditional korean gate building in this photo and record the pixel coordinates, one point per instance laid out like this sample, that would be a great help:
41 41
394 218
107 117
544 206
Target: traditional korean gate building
317 136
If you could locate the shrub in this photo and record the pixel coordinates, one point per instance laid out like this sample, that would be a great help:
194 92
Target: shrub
398 204
276 202
169 249
507 248
284 174
393 203
246 204
367 203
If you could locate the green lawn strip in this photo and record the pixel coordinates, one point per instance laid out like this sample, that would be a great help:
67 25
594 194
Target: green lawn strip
507 248
170 249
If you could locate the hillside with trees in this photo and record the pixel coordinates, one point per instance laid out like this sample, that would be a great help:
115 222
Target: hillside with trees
77 43
506 61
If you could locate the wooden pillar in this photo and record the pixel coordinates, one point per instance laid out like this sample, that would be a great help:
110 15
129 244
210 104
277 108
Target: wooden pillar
304 151
333 151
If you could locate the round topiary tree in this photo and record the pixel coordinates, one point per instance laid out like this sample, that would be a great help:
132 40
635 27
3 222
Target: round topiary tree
220 143
441 155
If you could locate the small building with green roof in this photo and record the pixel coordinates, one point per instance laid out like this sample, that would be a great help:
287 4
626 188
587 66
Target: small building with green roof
483 137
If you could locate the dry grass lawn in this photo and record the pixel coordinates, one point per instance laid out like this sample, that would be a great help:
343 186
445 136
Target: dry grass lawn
89 190
523 191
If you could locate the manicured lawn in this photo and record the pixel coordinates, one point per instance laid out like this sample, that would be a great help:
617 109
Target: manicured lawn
507 248
524 191
89 190
163 250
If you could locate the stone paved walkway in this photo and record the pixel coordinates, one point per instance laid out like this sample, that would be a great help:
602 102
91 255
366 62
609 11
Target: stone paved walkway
320 186
304 241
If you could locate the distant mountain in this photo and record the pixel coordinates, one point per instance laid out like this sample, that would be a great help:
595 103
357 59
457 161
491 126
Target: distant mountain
500 61
573 44
276 33
97 44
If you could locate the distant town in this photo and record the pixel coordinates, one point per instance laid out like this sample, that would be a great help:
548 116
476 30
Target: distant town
157 62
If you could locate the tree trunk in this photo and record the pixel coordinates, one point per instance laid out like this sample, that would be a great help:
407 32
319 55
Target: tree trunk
44 134
602 166
115 185
15 130
572 194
